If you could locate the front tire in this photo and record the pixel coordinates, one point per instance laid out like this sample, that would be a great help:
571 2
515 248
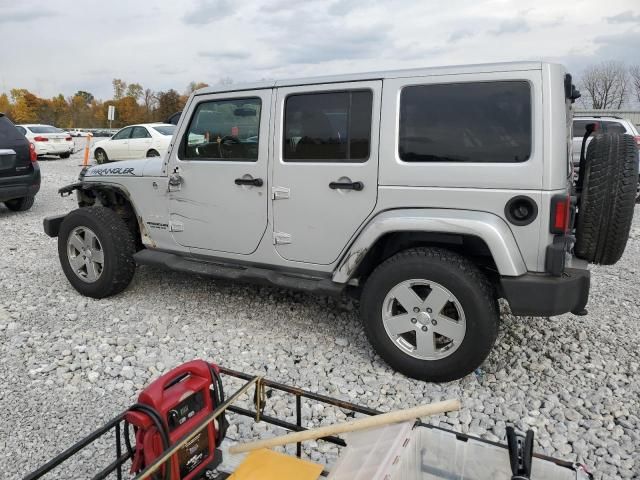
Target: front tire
20 204
96 251
153 153
430 313
65 155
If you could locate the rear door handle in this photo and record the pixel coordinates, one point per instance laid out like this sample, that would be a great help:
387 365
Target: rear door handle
346 186
255 182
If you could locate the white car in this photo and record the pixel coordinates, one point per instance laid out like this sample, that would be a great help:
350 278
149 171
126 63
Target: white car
604 124
78 133
135 141
48 140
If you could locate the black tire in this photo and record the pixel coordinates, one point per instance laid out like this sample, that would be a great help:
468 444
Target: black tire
460 277
101 156
153 153
609 185
118 247
20 204
65 155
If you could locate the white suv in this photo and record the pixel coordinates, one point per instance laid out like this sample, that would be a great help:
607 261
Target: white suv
608 124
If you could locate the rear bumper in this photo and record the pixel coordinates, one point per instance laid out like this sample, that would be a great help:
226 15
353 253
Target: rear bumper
53 148
21 185
545 295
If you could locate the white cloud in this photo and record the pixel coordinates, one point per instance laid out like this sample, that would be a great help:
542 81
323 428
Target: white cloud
163 44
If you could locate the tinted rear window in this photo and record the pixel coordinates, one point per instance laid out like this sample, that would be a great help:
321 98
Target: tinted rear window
45 129
466 122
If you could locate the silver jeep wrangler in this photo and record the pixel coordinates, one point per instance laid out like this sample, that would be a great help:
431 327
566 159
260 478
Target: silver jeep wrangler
428 193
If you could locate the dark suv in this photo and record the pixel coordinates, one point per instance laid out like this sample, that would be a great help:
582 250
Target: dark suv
19 169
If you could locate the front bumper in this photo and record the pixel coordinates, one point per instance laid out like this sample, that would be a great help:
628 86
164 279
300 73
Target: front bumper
543 295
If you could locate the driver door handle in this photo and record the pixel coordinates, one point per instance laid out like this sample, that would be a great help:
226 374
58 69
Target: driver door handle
255 182
357 186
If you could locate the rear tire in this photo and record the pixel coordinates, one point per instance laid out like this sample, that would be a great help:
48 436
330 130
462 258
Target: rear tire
20 204
608 198
112 243
468 310
101 156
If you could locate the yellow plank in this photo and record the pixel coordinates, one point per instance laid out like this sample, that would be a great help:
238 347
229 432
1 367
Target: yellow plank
266 464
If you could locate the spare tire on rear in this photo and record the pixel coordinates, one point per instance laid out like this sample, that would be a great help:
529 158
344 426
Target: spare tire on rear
607 198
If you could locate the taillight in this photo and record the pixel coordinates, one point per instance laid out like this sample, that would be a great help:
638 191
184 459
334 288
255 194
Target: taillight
560 214
40 139
32 153
68 139
637 137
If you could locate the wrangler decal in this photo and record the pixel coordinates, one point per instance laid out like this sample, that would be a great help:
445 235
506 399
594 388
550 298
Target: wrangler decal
111 171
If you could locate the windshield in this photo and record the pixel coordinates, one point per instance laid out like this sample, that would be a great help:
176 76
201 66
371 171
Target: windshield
45 129
165 129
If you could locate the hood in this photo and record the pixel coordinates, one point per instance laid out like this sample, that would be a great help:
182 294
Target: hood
147 167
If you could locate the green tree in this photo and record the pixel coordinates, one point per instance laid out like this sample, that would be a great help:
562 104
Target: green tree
88 97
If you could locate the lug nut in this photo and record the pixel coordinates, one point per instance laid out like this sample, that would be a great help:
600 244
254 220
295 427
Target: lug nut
413 320
424 328
416 309
429 310
433 322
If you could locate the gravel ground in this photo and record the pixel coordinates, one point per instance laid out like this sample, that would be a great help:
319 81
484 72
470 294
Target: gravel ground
69 363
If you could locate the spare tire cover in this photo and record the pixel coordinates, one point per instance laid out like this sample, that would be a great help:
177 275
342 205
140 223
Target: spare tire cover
607 200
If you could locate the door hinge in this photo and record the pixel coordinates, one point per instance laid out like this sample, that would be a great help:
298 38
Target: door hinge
280 193
176 227
281 238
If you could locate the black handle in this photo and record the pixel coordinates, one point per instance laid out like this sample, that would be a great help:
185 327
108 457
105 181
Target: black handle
357 186
256 182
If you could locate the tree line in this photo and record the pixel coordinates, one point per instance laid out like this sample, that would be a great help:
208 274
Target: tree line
607 85
133 103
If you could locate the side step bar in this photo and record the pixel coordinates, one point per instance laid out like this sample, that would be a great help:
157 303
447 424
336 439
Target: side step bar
240 273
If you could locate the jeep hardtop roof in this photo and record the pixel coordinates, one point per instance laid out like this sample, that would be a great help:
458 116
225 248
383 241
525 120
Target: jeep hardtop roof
353 77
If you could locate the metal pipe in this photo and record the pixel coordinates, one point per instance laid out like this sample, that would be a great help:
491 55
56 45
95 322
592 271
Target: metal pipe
147 472
299 423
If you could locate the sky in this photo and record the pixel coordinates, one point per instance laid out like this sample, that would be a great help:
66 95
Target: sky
52 47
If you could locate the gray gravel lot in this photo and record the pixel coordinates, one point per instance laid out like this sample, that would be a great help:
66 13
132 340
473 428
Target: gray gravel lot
69 363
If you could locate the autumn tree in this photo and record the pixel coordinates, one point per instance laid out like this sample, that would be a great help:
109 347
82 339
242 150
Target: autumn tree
134 90
25 106
5 105
119 88
88 97
606 85
193 86
169 102
150 103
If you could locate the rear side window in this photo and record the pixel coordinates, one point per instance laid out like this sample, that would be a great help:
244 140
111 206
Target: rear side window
140 132
487 122
579 127
328 127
